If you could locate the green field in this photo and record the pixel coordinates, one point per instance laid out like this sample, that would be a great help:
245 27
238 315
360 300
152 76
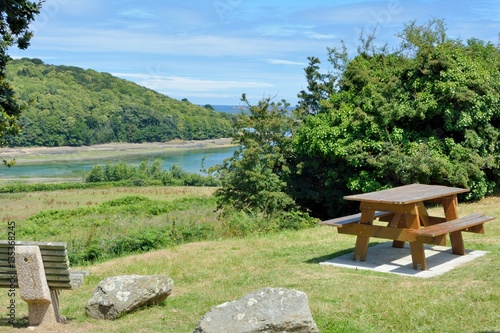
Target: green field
208 273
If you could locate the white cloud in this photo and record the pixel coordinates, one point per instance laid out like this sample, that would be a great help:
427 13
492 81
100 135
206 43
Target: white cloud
128 42
283 30
136 13
321 36
285 62
176 83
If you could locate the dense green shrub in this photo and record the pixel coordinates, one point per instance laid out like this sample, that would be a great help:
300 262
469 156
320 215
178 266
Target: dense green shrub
428 112
254 178
147 174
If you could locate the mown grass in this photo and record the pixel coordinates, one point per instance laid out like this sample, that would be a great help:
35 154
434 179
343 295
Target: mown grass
208 273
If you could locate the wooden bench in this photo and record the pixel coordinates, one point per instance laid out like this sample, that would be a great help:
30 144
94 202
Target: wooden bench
56 266
354 218
471 223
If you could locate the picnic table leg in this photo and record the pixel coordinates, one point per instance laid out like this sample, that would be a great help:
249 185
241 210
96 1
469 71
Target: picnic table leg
418 255
412 221
451 213
361 248
395 223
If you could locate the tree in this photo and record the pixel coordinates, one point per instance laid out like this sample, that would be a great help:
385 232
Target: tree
428 112
15 17
254 179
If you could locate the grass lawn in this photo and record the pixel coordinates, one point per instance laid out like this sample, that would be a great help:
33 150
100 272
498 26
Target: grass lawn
206 274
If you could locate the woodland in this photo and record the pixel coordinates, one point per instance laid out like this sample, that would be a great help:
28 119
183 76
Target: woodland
71 106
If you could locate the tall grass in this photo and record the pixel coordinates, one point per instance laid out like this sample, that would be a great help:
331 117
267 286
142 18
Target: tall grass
135 223
125 225
20 206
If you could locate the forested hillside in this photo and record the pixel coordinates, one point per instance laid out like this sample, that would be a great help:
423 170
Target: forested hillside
72 106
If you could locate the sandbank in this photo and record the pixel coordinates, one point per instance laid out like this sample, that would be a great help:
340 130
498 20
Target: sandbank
37 154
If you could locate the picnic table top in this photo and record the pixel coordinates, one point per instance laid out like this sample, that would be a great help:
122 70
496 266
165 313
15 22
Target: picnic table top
407 194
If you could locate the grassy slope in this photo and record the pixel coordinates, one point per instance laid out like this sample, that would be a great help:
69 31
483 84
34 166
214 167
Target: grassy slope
342 300
19 206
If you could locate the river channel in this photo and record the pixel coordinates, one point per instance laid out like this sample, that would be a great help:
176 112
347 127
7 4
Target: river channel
74 169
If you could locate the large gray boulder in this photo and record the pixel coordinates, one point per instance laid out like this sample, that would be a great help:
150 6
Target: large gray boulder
267 310
120 294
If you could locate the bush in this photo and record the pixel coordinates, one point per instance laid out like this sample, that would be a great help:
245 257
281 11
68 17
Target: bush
147 174
426 113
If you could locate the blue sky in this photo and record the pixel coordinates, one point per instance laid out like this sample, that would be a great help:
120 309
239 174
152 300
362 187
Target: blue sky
212 51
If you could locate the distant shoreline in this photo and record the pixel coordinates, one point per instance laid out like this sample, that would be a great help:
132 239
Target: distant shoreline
34 154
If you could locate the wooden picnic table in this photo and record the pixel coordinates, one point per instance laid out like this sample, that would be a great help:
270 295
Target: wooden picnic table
403 208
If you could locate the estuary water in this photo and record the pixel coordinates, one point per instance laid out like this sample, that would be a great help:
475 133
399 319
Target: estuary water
74 170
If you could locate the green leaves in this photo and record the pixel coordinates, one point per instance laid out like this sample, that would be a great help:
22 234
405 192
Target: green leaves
428 113
147 173
254 179
15 17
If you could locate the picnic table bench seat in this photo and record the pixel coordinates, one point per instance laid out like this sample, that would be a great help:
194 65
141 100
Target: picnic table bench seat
348 219
470 223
